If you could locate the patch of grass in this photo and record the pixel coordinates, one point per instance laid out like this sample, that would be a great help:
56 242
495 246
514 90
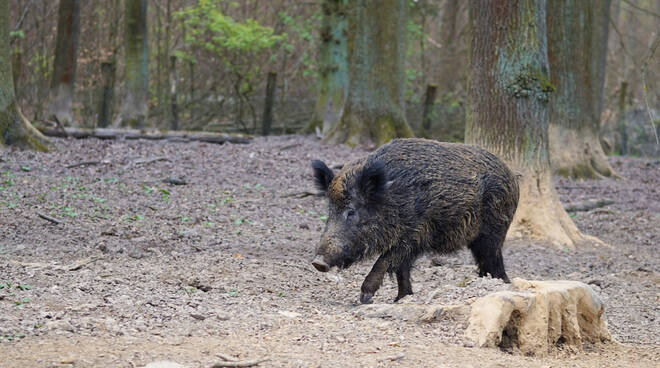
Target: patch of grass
24 287
12 337
232 292
26 168
19 303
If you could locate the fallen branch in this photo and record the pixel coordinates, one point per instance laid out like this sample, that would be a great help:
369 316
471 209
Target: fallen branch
587 205
115 133
51 219
231 362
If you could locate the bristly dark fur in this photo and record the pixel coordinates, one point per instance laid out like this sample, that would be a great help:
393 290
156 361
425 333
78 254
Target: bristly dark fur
323 175
430 196
372 180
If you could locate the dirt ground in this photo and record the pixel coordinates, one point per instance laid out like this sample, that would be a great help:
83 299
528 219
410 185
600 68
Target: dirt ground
141 270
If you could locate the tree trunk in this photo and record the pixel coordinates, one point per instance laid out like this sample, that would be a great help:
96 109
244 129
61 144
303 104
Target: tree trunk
429 104
621 119
174 112
107 94
577 46
134 108
374 110
60 96
333 66
449 77
271 83
15 129
508 110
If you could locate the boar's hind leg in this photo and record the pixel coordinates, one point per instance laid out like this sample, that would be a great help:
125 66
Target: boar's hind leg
403 279
374 279
487 252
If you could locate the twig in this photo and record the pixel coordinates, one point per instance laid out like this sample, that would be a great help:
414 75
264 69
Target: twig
87 163
78 265
150 160
289 146
299 195
231 362
643 10
51 219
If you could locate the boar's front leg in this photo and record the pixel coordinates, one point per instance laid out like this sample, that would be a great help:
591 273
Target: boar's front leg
374 279
403 279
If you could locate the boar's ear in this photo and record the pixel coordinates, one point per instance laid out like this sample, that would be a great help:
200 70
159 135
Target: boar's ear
322 175
372 181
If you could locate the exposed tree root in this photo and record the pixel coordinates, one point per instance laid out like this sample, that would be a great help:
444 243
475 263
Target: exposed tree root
541 216
577 155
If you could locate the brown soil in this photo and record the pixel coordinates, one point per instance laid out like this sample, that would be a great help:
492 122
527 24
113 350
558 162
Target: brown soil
141 270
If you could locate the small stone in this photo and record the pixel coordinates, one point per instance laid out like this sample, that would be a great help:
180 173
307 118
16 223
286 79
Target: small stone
289 314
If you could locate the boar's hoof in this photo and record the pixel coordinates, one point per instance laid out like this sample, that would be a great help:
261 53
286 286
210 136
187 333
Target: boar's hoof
365 298
320 264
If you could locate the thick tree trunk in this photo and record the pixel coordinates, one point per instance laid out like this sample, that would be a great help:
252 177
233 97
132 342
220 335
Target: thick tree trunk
374 109
333 67
134 109
577 45
15 129
60 96
508 112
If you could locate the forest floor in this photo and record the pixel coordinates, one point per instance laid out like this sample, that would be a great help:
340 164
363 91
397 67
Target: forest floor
140 270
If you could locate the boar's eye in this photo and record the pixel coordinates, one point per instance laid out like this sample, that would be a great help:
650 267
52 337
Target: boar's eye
349 214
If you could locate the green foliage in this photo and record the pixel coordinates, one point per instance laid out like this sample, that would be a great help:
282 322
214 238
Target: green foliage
207 27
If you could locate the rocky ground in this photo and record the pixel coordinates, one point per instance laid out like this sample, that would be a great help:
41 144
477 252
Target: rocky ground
141 270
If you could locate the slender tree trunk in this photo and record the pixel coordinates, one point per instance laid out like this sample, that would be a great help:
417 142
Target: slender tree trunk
621 119
448 78
508 110
271 83
60 96
429 104
134 108
174 112
374 110
577 46
333 66
15 129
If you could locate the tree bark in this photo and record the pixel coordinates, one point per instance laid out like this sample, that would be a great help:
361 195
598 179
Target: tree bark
333 66
134 108
508 110
374 110
64 66
577 46
15 129
107 94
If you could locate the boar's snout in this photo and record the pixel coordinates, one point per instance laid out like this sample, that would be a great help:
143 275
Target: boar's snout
320 264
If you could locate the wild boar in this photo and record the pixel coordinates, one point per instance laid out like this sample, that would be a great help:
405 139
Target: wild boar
410 197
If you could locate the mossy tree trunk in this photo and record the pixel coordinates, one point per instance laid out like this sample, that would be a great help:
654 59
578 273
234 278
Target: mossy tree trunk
374 110
14 128
60 96
133 112
508 110
577 46
333 67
